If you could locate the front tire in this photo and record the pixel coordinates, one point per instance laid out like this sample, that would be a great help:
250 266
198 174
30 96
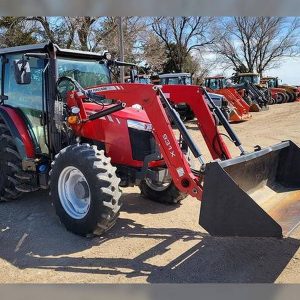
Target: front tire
85 190
163 193
166 193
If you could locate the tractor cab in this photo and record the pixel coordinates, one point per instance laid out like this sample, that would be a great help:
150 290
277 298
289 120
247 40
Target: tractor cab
29 84
215 83
253 78
271 81
176 78
141 78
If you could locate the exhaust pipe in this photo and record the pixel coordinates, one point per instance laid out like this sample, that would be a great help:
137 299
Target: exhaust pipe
254 195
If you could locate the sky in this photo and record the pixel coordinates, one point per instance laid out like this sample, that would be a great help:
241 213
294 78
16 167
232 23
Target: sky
288 71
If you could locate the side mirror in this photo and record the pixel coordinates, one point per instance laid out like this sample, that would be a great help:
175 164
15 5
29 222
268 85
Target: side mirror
22 71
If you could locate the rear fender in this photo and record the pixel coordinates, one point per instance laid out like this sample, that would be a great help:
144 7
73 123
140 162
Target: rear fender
19 131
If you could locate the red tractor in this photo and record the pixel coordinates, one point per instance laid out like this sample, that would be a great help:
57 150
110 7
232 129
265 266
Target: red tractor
64 125
290 93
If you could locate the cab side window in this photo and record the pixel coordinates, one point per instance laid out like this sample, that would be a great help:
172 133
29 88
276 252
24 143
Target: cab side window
24 96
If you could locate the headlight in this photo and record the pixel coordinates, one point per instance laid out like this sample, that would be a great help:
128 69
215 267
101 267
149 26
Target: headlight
139 125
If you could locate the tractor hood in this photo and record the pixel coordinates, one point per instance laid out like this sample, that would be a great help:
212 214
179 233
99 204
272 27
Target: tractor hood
135 113
278 90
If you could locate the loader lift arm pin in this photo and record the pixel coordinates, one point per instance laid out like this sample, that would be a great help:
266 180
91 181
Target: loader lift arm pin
182 129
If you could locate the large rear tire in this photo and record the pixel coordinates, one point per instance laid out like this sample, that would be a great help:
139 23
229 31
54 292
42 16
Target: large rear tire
10 164
85 190
292 97
280 98
286 98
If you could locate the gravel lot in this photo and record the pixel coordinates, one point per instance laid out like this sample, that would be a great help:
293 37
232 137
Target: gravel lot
151 242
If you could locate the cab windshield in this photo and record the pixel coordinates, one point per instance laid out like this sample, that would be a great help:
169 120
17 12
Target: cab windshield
144 80
272 83
213 83
249 79
176 80
87 72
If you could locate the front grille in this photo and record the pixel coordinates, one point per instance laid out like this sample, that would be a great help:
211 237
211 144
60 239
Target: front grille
142 143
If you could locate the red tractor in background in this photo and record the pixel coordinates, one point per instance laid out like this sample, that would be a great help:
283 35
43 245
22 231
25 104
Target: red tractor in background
184 110
291 93
280 95
64 125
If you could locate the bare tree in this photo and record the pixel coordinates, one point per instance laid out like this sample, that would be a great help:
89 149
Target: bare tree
256 43
206 65
185 33
14 32
133 28
69 32
154 51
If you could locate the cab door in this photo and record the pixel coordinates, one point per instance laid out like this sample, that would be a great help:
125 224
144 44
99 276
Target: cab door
28 97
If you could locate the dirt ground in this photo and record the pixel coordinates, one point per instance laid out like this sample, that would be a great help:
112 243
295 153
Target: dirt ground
151 242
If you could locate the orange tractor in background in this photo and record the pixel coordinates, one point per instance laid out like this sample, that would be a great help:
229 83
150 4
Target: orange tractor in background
241 109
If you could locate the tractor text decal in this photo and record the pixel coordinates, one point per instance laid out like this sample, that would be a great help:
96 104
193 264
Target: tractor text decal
106 88
168 144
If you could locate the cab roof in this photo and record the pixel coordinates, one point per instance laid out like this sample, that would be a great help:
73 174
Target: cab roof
248 74
48 47
269 77
215 77
174 75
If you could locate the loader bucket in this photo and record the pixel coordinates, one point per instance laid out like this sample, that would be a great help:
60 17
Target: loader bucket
254 107
254 195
